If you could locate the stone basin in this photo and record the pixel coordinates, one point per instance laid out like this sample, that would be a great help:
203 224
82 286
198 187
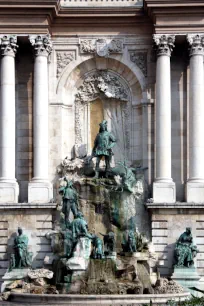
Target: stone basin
25 299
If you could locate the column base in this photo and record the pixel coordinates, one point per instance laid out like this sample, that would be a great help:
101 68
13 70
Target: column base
164 192
9 191
195 192
40 191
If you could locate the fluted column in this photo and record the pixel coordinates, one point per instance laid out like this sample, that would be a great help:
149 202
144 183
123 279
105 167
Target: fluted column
9 189
163 187
195 184
40 189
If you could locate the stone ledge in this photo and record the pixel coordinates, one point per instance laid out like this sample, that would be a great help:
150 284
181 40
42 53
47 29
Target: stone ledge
6 206
81 300
175 205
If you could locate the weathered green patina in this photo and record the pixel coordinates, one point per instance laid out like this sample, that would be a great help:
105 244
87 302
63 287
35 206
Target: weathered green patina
103 145
185 250
21 257
70 200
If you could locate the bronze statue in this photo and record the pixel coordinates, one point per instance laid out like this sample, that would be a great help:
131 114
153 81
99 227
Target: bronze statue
129 241
97 243
21 257
109 243
70 200
103 145
185 250
79 227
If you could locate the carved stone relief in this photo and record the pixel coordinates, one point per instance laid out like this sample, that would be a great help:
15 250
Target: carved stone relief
101 47
105 85
63 59
140 59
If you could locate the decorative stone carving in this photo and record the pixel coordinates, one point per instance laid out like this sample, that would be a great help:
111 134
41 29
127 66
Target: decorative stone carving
103 83
196 42
8 45
102 47
42 44
63 59
140 59
164 43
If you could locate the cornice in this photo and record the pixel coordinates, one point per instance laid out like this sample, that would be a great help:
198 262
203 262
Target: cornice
176 16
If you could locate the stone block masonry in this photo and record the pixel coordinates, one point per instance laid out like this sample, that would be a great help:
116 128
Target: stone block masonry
36 220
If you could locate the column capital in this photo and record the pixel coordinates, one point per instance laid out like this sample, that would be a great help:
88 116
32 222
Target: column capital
164 43
42 44
8 45
196 42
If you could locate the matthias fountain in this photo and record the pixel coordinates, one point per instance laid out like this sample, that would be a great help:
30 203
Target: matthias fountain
97 248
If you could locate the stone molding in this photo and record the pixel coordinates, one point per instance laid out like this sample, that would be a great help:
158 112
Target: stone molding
42 44
8 45
101 47
140 59
196 42
96 3
164 43
63 59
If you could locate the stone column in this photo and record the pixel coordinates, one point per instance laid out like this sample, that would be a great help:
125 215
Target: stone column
164 189
40 189
9 189
147 133
195 183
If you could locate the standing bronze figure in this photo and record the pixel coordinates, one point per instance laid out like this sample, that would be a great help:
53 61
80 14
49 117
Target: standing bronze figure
103 145
70 200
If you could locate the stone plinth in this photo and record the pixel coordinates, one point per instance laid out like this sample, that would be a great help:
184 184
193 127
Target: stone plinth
164 192
187 277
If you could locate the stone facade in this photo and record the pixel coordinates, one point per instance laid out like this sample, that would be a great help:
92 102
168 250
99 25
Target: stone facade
61 58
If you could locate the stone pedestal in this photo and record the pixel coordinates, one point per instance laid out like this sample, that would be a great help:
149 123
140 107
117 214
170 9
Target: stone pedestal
187 277
164 192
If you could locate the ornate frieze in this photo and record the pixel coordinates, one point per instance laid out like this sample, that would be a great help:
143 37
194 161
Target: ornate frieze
140 59
164 43
102 47
63 59
8 45
196 42
42 44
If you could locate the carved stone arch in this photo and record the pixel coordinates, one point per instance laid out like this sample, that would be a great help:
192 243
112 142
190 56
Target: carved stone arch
70 94
76 65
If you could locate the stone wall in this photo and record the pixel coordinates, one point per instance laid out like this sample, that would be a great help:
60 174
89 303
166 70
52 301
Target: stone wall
36 221
169 221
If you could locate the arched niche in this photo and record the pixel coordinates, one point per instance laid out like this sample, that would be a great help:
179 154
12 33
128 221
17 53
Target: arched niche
114 93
